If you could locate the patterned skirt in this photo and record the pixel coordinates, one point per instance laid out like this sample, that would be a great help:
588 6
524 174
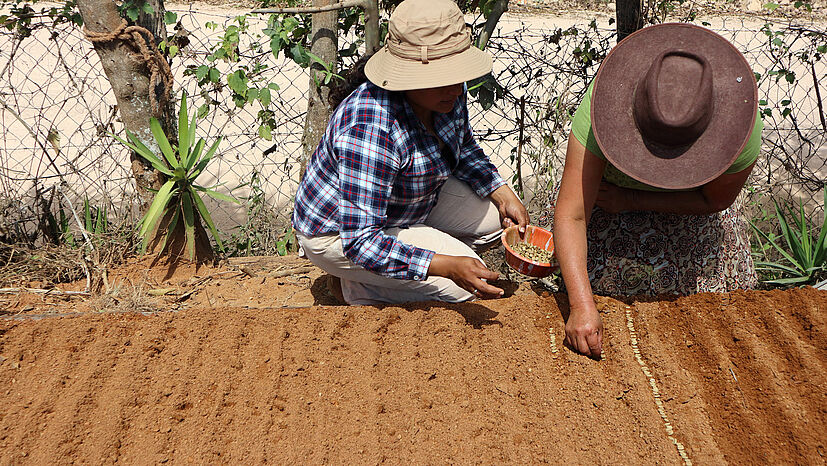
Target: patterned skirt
650 253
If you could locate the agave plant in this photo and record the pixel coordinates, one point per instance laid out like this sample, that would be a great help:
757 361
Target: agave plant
180 193
806 256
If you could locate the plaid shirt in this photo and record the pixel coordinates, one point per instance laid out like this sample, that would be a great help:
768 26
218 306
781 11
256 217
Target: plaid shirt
377 167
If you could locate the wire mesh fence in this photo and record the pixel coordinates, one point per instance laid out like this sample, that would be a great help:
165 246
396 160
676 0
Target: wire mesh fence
57 110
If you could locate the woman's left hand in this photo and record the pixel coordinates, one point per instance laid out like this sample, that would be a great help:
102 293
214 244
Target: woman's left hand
512 211
614 199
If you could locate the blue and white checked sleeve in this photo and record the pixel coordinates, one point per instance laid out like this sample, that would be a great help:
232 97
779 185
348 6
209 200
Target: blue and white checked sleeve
368 164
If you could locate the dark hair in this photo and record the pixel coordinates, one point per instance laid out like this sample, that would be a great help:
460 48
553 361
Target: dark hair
353 78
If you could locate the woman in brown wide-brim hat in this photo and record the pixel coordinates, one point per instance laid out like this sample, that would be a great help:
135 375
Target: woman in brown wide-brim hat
660 147
398 198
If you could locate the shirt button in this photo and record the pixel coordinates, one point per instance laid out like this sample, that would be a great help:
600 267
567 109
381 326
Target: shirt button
416 277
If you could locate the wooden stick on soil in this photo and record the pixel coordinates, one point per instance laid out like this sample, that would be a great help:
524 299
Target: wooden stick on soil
85 237
43 291
286 273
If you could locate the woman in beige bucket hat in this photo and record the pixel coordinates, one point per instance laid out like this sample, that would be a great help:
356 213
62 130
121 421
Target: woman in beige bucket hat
660 148
398 197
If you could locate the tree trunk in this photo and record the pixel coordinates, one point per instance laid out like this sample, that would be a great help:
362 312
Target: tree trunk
500 7
628 18
325 46
129 76
155 24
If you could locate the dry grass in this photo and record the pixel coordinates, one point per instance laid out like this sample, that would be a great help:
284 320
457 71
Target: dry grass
39 267
124 297
45 265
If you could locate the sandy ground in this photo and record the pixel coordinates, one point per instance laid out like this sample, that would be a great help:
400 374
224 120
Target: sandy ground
261 367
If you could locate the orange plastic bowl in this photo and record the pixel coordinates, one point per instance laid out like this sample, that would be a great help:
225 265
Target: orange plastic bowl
533 235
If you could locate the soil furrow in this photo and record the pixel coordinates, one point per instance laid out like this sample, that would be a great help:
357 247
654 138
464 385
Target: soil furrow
422 383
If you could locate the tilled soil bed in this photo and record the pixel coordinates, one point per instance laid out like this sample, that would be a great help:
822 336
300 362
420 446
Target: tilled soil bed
259 366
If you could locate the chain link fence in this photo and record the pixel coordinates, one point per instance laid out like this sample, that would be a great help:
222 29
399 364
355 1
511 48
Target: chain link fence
57 108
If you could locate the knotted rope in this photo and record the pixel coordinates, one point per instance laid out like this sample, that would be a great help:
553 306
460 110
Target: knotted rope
142 40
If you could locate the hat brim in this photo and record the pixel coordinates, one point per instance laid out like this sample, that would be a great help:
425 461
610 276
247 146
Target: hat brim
397 74
735 98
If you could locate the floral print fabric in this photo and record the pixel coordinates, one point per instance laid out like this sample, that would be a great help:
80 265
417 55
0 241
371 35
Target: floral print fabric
650 253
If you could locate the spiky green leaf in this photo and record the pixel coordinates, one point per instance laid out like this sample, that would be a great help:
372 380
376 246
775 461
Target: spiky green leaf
789 281
217 195
205 214
144 152
163 142
192 157
196 154
806 241
183 131
101 221
87 215
207 157
159 204
778 267
189 221
775 245
790 236
820 256
170 229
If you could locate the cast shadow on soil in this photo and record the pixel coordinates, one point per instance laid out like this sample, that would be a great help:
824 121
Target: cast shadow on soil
474 313
562 300
173 261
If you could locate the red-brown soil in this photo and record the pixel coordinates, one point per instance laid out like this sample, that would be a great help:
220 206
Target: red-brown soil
254 368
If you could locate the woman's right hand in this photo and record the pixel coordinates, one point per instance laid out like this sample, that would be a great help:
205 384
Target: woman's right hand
468 273
584 331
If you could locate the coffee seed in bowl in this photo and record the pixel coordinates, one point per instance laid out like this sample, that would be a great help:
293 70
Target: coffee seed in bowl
532 252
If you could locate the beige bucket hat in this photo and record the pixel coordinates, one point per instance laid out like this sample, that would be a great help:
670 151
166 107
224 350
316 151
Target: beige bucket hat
428 45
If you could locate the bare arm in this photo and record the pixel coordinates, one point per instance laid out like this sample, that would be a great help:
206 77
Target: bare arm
578 191
714 196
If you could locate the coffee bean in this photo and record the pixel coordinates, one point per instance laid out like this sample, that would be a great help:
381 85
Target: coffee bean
532 252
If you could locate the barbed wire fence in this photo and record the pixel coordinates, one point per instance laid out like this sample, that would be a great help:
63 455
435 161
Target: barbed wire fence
57 108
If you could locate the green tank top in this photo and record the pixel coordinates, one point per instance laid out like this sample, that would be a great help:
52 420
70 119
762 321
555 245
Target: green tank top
581 127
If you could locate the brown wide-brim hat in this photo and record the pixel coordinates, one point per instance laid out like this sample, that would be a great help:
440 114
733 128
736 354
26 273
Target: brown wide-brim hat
428 45
673 105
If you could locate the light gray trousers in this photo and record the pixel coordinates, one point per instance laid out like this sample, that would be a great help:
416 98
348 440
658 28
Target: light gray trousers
460 223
